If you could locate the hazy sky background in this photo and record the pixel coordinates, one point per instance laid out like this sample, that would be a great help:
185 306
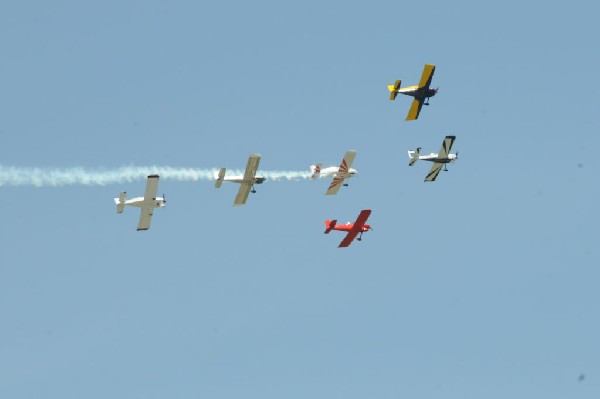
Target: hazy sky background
483 284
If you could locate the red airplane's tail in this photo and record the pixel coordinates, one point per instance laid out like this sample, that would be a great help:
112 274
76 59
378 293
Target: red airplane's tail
329 225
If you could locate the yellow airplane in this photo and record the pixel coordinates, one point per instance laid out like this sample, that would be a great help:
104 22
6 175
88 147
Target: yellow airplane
421 93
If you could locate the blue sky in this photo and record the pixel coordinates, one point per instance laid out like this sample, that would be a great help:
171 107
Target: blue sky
482 284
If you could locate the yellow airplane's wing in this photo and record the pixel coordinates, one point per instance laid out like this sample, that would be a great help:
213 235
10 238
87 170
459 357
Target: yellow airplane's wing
415 109
428 71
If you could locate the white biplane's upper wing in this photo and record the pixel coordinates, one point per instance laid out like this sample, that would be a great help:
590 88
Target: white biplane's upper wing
345 166
347 161
446 147
433 172
151 188
148 207
249 175
251 167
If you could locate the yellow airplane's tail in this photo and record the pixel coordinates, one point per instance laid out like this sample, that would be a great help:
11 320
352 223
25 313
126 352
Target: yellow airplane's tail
394 90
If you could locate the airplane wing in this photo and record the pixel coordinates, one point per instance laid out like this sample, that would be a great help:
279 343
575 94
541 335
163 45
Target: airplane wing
347 161
426 76
348 239
148 207
335 185
362 218
251 167
345 166
151 188
446 146
360 222
249 175
415 109
145 217
433 173
242 195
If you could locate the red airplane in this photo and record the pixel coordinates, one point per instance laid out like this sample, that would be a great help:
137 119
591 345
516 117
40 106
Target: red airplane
353 229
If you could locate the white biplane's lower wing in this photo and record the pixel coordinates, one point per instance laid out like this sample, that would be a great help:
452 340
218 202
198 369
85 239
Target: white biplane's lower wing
148 206
145 217
434 172
343 170
446 146
248 180
242 195
335 185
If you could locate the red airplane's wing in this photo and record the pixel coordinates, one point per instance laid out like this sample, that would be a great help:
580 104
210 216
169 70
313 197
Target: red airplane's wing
362 219
358 225
349 238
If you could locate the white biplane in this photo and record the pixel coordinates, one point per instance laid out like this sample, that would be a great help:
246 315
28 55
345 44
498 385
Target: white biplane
339 174
147 203
247 181
439 160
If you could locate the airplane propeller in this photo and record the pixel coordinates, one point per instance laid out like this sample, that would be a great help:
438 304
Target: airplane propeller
164 199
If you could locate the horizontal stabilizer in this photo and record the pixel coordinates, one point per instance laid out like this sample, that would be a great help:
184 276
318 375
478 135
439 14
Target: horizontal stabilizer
220 177
394 89
121 202
414 156
330 225
316 171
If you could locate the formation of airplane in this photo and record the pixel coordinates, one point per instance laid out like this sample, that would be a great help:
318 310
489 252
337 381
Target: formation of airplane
339 174
421 93
352 229
246 181
147 203
441 159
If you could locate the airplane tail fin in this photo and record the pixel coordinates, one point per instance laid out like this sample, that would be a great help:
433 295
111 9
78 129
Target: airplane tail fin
121 202
414 156
329 225
219 177
316 171
394 89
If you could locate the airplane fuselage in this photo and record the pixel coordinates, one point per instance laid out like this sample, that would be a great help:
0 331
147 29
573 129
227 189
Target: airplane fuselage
139 202
434 158
240 179
350 226
414 91
334 171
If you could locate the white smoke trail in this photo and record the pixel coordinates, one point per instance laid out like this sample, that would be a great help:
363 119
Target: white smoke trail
42 177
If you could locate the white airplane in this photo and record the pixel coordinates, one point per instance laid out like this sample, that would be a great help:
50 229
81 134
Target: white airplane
440 159
339 174
247 181
147 203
